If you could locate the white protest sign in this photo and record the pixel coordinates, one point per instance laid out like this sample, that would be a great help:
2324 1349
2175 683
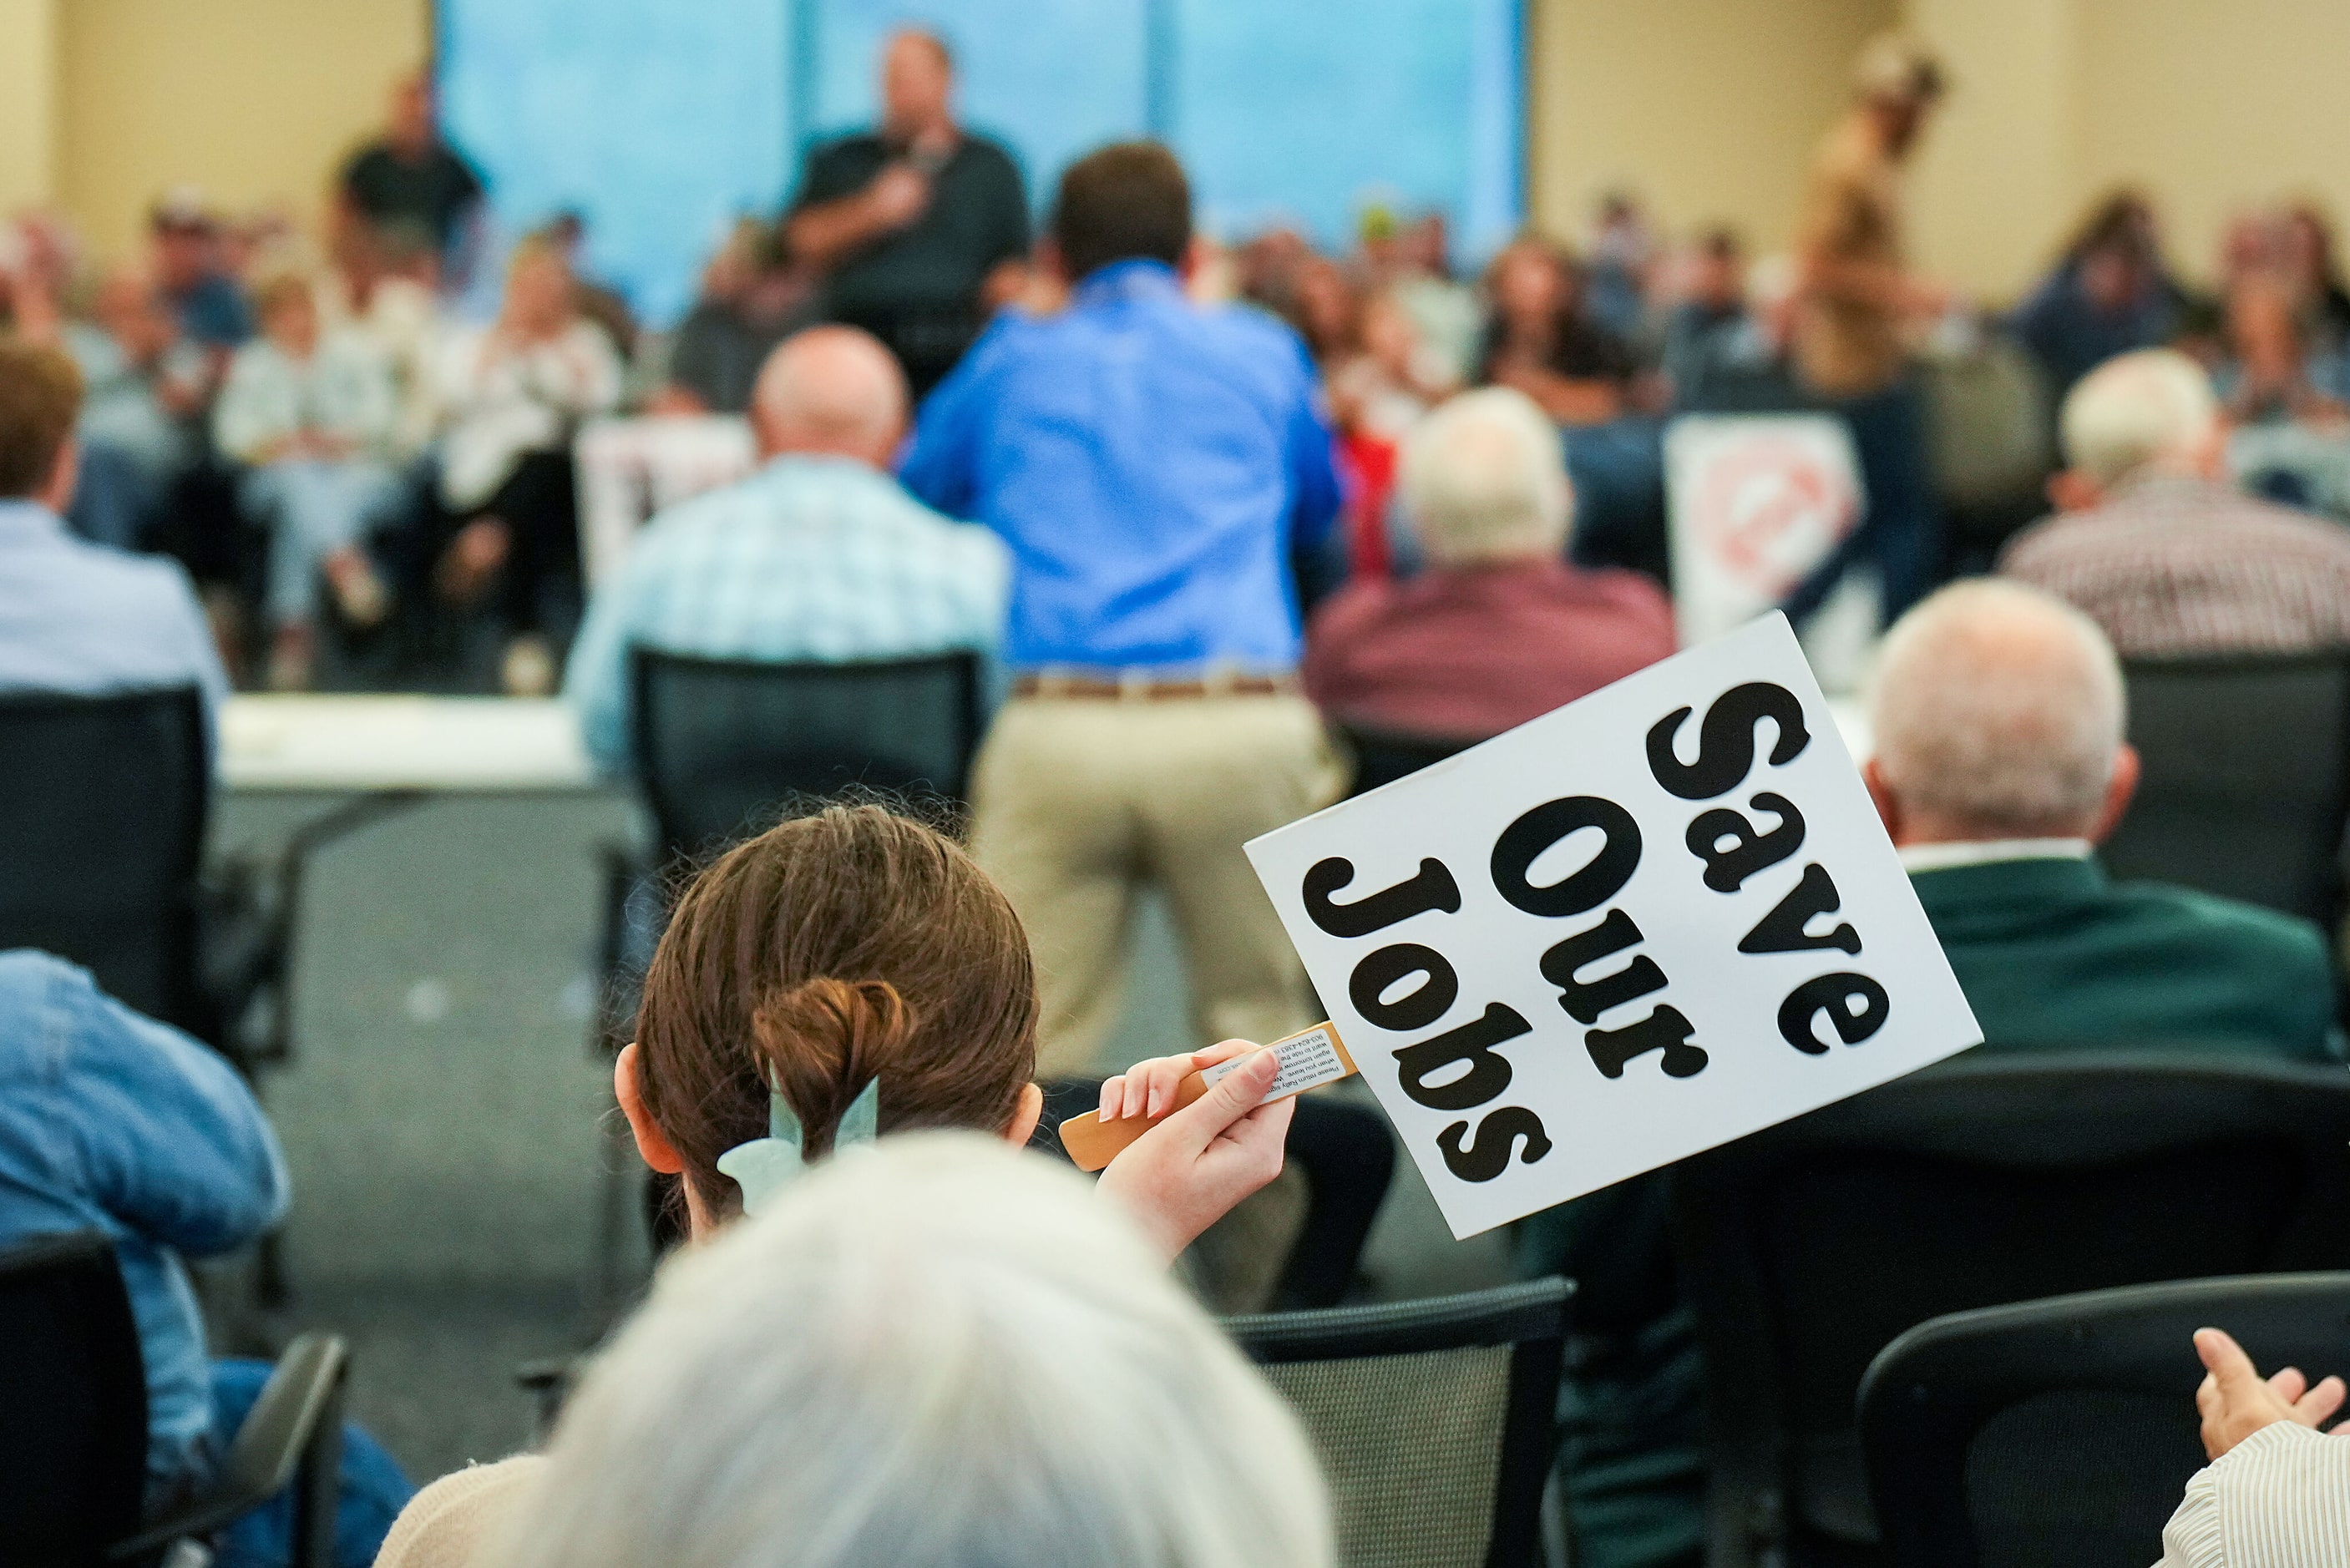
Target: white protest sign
1660 919
1754 504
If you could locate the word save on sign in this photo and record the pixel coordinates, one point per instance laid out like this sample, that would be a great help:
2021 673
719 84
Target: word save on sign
1656 920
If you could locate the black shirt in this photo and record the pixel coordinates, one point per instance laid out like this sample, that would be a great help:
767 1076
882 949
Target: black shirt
917 288
429 197
1580 350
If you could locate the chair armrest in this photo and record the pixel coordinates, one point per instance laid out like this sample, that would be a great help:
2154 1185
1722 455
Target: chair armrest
296 1422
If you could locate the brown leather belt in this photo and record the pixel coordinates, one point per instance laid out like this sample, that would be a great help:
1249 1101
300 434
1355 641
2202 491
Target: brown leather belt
1095 689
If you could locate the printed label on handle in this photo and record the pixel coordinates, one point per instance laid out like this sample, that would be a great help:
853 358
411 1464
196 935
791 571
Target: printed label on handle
1307 1061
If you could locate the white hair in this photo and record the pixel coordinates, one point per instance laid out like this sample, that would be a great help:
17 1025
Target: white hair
934 1353
1484 477
1999 708
2138 411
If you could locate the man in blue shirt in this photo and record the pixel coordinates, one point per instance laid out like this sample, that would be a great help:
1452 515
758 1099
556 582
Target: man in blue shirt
112 1122
1155 466
77 616
818 555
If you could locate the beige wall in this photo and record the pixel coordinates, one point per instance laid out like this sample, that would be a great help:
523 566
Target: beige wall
2213 107
254 101
28 83
1709 108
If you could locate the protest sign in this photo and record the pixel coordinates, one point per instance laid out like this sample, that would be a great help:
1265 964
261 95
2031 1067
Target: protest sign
1656 920
1755 503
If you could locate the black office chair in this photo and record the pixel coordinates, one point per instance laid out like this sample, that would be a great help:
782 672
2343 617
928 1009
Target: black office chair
1346 1154
2246 785
103 805
2062 1432
719 744
722 747
1383 756
73 1423
1807 1248
1433 1419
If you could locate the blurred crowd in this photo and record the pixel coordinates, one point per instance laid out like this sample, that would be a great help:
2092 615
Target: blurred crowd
361 442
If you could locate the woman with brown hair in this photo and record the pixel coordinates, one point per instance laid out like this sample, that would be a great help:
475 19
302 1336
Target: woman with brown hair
847 965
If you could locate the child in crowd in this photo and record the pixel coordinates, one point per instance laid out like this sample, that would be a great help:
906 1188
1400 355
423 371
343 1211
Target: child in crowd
310 414
844 974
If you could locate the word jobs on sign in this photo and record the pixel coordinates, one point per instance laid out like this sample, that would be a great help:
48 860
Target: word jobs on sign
1655 921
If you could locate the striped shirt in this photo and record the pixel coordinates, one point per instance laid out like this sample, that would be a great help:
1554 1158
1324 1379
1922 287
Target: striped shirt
2171 567
809 559
2280 1499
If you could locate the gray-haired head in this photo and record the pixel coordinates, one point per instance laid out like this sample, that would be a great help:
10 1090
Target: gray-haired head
1998 712
830 389
934 1353
1483 478
2152 411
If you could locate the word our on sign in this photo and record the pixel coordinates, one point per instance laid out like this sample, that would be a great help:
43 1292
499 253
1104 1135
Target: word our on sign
1660 919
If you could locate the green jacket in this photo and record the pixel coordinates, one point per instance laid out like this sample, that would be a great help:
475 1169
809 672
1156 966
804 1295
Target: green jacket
2051 953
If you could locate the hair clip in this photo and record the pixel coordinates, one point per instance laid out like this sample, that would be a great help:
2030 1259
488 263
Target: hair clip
764 1166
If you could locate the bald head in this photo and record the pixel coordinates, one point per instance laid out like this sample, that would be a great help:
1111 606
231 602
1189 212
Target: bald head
1998 712
832 391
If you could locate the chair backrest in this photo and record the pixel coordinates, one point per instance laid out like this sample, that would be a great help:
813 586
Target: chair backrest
1433 1418
1808 1248
721 743
2062 1431
73 1403
1383 756
103 802
2246 785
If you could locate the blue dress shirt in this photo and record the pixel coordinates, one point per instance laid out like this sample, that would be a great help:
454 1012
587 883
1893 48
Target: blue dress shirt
810 558
77 617
110 1121
1152 464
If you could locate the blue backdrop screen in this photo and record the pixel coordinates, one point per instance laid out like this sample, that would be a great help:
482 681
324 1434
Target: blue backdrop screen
660 123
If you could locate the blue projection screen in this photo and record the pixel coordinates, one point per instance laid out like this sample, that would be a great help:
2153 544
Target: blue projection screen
661 123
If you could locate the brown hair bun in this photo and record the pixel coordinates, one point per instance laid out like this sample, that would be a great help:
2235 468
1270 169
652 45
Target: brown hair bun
830 952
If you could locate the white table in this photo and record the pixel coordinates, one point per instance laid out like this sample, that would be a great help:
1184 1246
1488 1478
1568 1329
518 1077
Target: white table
403 745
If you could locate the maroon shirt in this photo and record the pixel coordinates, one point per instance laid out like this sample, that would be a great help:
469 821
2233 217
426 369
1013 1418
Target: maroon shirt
1465 654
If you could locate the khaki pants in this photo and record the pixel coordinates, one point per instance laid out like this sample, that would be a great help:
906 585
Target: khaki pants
1078 801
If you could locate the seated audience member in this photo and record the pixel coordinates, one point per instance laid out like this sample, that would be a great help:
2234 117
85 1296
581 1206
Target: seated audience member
849 959
2276 1493
513 395
2107 295
2153 544
1539 340
2000 765
377 292
883 1371
818 555
143 384
1709 327
1444 310
2286 402
1500 629
311 415
752 299
112 1122
2312 266
191 277
77 616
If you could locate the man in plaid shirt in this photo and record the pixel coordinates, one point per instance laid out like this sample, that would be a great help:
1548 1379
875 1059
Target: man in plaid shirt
2155 545
817 555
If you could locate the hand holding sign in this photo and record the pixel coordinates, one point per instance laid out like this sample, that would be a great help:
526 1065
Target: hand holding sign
1656 920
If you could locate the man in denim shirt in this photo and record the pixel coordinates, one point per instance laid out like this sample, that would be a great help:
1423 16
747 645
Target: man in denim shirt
112 1122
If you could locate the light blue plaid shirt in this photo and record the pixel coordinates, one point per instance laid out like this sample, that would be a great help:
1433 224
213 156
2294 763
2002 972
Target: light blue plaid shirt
810 558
